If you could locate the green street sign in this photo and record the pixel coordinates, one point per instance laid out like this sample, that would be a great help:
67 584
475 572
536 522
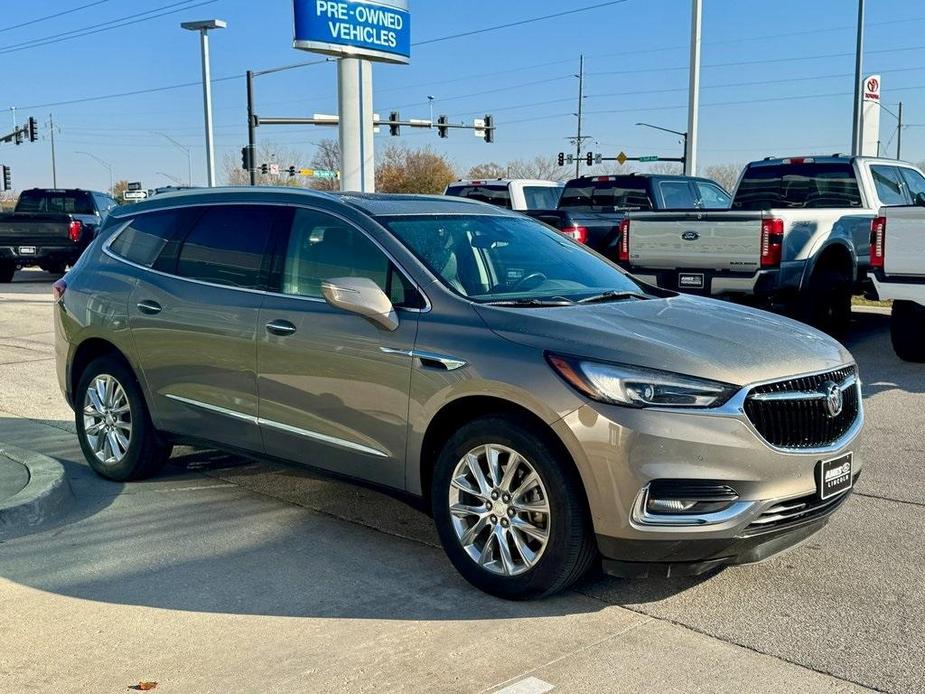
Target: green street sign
648 158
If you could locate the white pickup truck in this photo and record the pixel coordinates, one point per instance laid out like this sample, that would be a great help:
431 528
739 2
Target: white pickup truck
798 234
897 258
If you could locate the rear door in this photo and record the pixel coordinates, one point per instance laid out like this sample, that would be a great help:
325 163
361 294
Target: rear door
905 231
193 317
334 386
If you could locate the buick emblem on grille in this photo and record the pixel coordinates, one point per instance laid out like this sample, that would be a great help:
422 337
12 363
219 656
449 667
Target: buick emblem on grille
833 398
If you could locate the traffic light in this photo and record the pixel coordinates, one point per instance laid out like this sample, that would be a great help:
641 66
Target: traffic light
33 130
589 158
489 129
247 161
264 169
442 122
560 160
394 127
291 171
7 178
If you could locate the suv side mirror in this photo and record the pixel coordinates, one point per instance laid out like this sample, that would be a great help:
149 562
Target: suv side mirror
362 296
920 199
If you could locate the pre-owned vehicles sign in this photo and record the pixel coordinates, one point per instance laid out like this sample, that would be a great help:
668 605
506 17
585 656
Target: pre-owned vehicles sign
372 29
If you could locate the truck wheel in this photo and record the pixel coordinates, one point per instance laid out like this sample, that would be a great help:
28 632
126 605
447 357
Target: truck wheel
511 514
827 303
56 268
7 270
907 330
113 425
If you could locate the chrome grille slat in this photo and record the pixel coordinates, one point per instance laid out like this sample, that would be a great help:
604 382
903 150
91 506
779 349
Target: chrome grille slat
785 415
795 510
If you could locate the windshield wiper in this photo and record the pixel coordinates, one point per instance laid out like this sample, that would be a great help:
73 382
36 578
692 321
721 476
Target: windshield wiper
611 295
556 301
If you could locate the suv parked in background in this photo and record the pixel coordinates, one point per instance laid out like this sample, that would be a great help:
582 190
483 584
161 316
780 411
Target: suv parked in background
797 234
512 193
545 406
592 208
50 227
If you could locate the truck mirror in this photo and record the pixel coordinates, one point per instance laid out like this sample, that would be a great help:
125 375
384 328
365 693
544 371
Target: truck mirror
920 199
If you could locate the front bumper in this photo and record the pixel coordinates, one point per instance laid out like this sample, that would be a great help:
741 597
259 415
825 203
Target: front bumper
619 451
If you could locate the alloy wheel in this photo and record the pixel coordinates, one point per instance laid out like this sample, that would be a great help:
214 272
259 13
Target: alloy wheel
107 419
499 509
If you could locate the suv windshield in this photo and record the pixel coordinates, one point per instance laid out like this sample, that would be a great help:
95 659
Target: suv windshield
798 185
78 202
613 191
496 258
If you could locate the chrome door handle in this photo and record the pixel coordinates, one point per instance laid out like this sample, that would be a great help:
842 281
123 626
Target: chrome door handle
280 327
151 308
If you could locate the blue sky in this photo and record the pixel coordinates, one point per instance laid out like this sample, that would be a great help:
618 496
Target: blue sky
777 79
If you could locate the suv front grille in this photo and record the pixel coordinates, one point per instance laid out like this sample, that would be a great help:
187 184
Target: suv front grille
795 414
795 511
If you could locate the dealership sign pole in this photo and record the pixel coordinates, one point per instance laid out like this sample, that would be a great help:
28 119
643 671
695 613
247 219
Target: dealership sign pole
356 32
870 117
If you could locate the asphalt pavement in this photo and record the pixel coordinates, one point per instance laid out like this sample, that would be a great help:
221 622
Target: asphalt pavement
226 573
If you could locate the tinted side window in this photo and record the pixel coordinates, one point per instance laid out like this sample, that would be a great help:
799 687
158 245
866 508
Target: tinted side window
143 240
712 197
915 181
322 247
494 194
676 194
889 185
228 245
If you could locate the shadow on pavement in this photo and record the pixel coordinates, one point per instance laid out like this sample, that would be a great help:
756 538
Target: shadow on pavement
870 344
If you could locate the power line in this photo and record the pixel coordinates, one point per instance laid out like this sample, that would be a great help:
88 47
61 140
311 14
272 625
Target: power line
53 16
519 23
88 31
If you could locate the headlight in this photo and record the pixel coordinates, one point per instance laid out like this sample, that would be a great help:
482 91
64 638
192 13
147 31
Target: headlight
634 386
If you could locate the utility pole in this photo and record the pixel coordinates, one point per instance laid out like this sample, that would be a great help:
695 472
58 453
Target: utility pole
693 104
899 133
251 135
856 133
581 97
54 167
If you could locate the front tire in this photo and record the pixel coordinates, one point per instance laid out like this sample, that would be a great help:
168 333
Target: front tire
113 424
510 510
907 331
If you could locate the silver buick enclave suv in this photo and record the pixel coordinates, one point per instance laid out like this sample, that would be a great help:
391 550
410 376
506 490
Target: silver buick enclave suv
546 407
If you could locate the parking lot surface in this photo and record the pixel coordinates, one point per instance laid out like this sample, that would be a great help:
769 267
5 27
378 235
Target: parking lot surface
227 573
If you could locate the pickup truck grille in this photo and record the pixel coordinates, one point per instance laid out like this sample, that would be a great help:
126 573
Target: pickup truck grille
797 413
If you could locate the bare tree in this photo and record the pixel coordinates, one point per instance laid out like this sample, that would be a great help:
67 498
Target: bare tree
488 170
118 189
669 168
7 201
268 154
404 170
327 157
727 175
540 167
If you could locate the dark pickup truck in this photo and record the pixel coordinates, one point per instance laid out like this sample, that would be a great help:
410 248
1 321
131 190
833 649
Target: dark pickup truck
592 208
50 228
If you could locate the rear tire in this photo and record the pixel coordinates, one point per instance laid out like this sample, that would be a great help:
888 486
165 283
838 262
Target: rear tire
826 304
7 270
552 548
907 330
113 424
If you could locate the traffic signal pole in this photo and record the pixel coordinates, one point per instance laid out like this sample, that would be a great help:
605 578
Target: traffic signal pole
251 128
581 95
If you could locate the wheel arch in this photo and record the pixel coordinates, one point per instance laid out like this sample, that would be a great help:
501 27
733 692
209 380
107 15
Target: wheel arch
835 256
469 407
88 350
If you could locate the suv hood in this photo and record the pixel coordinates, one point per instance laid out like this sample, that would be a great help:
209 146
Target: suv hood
684 334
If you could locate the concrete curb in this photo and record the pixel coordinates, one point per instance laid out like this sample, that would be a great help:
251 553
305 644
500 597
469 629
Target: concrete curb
46 495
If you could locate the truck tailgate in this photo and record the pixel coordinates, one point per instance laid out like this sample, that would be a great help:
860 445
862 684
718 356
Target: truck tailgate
34 229
720 240
905 241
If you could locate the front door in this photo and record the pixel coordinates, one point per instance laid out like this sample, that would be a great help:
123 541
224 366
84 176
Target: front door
334 386
194 324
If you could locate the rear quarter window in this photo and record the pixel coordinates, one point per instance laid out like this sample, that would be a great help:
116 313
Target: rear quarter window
145 238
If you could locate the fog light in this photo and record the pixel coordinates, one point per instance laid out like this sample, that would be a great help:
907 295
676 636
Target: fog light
689 497
670 505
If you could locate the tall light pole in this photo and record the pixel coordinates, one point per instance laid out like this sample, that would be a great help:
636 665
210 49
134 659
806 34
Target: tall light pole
693 104
669 130
204 27
857 134
189 156
102 162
